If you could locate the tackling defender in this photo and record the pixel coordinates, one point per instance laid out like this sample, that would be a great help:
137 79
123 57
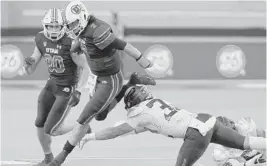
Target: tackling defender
100 46
146 113
60 92
224 156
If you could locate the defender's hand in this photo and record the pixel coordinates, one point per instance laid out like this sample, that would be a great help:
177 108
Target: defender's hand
75 98
84 140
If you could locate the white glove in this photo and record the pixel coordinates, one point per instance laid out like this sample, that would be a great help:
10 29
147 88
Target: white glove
85 139
22 71
161 63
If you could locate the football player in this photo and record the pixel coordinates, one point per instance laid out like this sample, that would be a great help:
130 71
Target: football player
100 46
60 92
147 113
225 156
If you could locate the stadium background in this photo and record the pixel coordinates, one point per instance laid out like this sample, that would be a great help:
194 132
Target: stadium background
193 30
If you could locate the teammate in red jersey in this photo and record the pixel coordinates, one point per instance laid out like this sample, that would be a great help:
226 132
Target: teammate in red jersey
60 92
100 46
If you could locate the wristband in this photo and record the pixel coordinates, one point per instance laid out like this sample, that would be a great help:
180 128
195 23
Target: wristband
142 61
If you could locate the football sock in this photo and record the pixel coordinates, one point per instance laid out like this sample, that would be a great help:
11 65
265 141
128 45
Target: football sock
255 143
68 147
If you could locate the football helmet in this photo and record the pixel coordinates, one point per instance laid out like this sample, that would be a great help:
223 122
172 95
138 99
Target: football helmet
53 24
135 95
76 17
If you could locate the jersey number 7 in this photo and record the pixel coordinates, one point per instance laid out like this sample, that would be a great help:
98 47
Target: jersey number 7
169 111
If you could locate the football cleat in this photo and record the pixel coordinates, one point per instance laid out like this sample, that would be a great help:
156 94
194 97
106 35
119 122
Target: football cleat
45 161
59 159
143 79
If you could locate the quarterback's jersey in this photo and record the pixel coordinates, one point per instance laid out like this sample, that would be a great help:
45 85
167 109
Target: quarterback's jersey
94 42
57 55
159 116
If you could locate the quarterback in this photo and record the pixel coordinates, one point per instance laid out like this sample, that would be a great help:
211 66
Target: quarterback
61 90
147 113
100 46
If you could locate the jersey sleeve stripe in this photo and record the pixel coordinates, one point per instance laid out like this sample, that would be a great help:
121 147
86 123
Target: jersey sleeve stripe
100 36
98 43
103 38
107 41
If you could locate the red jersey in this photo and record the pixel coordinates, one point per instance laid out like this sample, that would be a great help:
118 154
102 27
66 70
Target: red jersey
95 40
57 55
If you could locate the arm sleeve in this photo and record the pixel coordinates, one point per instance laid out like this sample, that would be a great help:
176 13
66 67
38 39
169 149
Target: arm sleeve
103 37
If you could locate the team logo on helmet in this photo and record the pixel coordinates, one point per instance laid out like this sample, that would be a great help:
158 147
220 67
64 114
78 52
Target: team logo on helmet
76 9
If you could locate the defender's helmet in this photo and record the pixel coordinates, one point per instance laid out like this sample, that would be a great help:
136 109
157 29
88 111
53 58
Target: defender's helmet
53 24
135 95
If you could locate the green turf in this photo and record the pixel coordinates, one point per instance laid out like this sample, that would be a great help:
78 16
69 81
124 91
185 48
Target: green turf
19 141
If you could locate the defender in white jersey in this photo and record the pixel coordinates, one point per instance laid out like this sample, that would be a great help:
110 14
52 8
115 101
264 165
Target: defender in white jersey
146 113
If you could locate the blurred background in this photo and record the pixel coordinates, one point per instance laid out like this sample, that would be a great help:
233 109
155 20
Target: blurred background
194 31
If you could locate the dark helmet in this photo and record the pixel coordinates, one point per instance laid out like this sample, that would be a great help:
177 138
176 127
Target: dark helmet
135 95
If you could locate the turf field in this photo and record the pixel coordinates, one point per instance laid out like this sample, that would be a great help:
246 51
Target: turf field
229 98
